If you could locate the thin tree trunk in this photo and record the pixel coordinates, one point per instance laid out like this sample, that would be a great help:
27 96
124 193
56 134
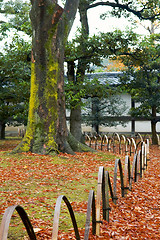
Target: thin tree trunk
75 116
75 123
2 130
95 114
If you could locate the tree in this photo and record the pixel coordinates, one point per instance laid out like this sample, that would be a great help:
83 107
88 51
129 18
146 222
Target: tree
142 79
76 74
75 115
144 10
14 84
98 109
98 99
90 52
102 100
17 16
46 130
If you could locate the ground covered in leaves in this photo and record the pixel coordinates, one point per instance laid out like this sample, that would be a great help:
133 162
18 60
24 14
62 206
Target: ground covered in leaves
35 181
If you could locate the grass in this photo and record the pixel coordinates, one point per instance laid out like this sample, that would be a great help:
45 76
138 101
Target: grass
35 181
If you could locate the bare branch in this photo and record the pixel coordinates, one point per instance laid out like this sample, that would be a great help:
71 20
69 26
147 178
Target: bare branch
126 7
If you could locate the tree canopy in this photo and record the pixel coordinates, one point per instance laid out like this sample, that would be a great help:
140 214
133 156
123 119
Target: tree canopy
144 10
17 16
14 83
51 24
142 78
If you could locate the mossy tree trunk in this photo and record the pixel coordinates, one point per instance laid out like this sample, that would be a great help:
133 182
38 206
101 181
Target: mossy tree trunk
47 129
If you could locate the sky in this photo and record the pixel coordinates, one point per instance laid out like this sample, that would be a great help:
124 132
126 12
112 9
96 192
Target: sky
96 24
109 24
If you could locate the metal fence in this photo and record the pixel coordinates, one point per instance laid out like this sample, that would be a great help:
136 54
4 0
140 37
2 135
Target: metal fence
104 193
117 143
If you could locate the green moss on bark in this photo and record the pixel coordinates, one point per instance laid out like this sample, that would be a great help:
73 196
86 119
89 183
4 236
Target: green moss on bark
25 145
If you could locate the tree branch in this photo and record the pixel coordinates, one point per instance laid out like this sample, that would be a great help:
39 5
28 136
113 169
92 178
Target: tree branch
70 10
137 13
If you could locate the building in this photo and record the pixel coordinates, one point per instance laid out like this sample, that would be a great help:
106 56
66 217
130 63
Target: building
132 124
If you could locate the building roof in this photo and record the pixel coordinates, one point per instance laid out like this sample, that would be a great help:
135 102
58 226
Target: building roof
109 77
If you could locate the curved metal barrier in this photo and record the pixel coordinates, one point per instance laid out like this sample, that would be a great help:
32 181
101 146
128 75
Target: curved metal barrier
126 145
6 221
117 164
56 217
104 192
90 207
122 142
104 141
127 175
158 139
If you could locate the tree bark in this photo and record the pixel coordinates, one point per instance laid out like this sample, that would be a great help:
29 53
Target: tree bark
75 123
75 116
47 130
95 114
2 130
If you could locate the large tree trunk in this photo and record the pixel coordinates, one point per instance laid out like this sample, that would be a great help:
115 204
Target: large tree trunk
47 130
153 127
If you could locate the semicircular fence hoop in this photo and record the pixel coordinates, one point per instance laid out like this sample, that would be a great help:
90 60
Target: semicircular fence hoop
133 172
140 136
116 135
127 174
110 142
108 188
127 143
134 144
100 192
122 142
104 141
123 138
117 163
90 207
56 218
7 218
142 158
147 145
139 173
88 139
139 144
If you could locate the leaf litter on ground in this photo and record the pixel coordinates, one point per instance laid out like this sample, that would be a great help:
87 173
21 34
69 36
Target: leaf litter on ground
35 181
